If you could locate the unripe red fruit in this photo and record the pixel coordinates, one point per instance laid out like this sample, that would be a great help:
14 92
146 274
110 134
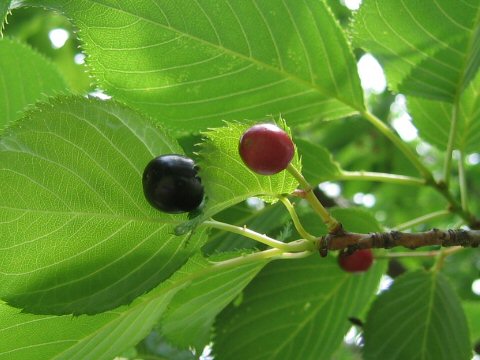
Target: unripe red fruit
360 260
266 149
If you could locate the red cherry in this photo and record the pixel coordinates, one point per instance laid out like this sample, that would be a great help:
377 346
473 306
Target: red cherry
360 260
266 149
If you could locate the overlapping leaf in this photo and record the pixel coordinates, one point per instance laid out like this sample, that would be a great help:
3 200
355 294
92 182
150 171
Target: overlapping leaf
262 221
299 309
419 317
193 64
227 179
106 335
77 233
429 49
433 119
317 162
191 314
25 77
472 312
4 5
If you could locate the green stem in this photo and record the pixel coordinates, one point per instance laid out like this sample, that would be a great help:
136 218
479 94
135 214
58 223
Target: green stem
380 177
408 152
421 220
264 239
394 255
256 256
451 143
297 255
462 182
454 207
296 221
332 224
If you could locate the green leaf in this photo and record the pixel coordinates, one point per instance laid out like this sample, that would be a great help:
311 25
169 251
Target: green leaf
199 63
191 314
4 6
317 162
102 336
156 347
262 221
78 235
419 317
25 77
472 312
428 49
353 219
298 309
433 119
227 179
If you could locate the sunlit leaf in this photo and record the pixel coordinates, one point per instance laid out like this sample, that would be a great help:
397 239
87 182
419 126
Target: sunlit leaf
419 317
78 235
25 77
228 180
196 64
429 49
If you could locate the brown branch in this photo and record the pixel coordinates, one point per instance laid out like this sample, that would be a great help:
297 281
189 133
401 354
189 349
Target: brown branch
386 240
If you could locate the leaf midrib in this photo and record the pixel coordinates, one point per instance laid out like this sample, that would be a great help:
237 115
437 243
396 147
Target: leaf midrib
430 307
233 53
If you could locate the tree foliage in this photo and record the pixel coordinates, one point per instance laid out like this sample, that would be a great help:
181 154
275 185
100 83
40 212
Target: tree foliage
88 270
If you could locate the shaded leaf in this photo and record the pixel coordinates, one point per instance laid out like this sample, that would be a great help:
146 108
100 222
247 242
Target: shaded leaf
191 314
78 235
25 77
100 337
298 309
419 317
262 221
428 49
226 60
317 162
472 312
433 119
4 6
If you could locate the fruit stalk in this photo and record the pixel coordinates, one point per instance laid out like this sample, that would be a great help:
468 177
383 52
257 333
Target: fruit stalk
333 226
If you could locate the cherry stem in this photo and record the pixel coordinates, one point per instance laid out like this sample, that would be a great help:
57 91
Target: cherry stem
296 221
333 225
421 220
294 246
412 254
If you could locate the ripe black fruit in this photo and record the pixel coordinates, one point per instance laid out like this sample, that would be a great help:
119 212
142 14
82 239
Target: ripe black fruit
171 184
266 149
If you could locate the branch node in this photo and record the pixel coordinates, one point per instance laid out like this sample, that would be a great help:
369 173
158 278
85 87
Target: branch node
323 248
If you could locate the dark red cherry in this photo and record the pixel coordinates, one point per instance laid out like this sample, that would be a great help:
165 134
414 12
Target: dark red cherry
266 149
171 184
360 260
